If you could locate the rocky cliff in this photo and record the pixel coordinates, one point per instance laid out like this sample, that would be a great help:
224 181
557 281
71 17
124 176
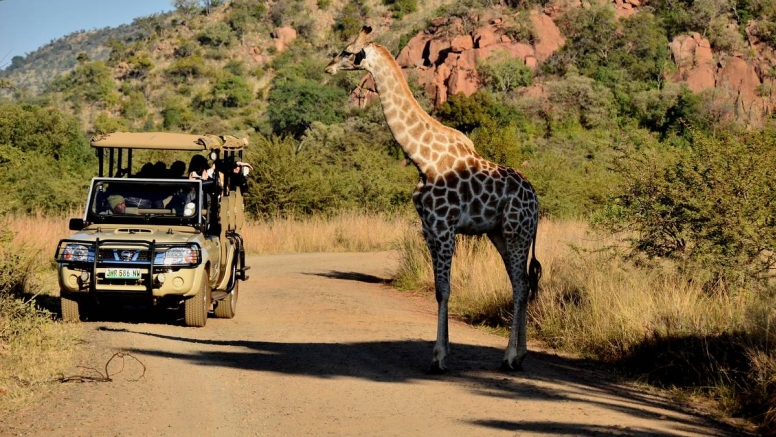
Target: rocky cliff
443 58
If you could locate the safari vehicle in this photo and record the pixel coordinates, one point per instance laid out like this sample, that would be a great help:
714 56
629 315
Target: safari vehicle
157 240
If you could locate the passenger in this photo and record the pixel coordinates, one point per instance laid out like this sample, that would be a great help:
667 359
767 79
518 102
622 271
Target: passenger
236 174
145 171
177 170
117 204
199 168
159 170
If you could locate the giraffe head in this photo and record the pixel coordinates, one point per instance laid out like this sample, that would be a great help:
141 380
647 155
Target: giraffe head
351 58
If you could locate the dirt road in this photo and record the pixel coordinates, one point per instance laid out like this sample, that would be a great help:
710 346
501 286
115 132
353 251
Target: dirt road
321 347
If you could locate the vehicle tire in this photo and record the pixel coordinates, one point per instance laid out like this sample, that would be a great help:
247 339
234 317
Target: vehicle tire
196 308
227 307
70 309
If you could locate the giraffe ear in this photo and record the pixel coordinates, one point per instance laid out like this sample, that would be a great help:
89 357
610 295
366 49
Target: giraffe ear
361 40
363 36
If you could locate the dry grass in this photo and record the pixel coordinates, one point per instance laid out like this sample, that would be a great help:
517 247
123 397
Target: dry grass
33 348
650 322
347 232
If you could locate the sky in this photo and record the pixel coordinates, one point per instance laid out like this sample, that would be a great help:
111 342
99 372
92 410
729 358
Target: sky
26 25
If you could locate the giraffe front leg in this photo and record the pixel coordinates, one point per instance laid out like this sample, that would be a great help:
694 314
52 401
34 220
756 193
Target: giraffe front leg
442 345
441 248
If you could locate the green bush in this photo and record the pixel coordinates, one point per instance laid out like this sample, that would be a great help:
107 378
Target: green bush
187 68
175 116
480 109
351 18
709 206
134 108
503 73
216 35
332 168
294 104
89 82
231 92
580 100
400 8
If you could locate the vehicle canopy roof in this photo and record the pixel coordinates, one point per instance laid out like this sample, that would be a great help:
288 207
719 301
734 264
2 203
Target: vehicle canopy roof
169 141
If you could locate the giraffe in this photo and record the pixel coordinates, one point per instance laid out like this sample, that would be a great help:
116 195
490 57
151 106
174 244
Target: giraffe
459 192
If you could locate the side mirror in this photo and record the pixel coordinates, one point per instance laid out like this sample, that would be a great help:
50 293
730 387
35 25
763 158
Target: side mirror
76 224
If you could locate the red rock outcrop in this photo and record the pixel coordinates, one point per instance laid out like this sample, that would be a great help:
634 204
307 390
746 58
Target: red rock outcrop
282 36
443 58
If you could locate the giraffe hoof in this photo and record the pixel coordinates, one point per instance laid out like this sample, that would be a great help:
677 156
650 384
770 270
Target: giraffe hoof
437 369
507 367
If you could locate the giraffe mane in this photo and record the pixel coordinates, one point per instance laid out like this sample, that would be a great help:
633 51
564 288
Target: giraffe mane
406 89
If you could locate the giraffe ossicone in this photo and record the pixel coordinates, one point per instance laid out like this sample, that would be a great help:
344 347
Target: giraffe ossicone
459 192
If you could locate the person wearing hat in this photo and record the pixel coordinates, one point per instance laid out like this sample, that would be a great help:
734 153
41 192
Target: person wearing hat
117 204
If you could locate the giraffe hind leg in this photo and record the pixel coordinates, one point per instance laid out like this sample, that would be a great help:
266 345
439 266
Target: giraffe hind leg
514 256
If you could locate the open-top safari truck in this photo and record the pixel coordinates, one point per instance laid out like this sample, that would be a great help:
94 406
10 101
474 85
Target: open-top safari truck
166 239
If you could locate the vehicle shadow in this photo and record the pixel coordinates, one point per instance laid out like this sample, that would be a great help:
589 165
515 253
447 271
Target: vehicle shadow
405 361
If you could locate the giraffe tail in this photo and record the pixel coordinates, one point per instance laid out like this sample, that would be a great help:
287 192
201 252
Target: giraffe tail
534 271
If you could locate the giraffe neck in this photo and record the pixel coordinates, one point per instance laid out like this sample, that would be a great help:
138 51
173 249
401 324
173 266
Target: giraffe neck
428 143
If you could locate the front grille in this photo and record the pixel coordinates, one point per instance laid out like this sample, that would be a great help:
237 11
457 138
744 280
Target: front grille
133 255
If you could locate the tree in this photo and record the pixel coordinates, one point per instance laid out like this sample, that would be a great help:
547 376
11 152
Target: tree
231 92
217 34
710 206
504 73
293 105
44 157
186 7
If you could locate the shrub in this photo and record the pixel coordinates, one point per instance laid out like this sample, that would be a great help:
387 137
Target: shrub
232 92
579 99
175 116
187 68
216 35
469 113
350 19
401 7
134 108
708 206
504 73
293 106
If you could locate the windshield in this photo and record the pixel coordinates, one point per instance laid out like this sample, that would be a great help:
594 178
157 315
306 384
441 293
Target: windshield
121 200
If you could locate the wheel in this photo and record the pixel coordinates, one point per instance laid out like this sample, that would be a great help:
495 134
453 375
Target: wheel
196 308
227 307
70 309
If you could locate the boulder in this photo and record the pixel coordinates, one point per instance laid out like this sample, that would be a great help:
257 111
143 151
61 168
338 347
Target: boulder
282 36
740 78
700 78
438 48
412 54
485 36
548 36
461 43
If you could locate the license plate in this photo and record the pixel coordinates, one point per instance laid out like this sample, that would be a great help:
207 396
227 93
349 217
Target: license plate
122 273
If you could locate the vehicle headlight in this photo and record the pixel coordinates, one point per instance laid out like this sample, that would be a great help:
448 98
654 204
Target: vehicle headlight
76 252
177 256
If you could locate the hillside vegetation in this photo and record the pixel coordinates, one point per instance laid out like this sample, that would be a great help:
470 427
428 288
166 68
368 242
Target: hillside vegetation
606 126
